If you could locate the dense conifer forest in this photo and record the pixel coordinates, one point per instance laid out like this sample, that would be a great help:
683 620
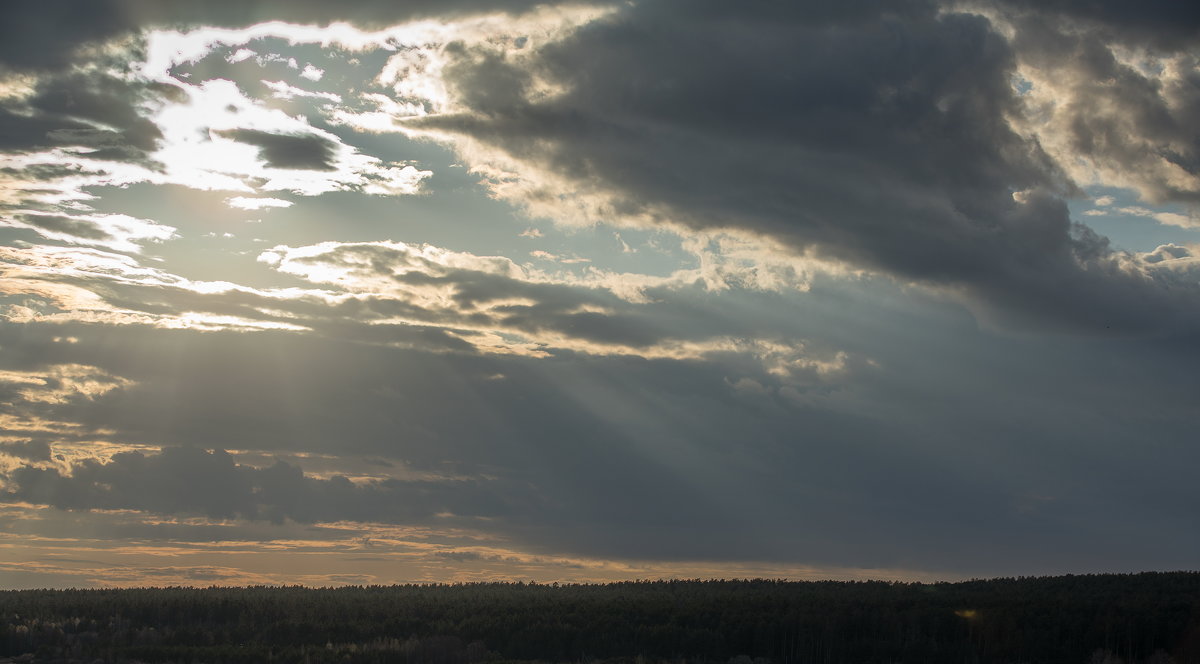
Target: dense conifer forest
1151 618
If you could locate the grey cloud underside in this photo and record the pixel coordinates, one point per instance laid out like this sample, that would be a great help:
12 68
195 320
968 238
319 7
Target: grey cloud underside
32 450
884 140
1160 24
915 465
182 481
43 35
117 529
477 301
93 111
80 228
304 152
544 307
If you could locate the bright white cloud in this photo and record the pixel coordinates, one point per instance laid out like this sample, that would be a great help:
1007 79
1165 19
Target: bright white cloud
281 90
556 258
239 55
166 49
384 119
249 203
197 152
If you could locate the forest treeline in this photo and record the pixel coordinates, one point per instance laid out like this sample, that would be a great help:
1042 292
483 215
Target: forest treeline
1150 618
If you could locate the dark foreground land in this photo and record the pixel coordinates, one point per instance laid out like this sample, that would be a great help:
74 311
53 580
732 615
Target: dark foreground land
1093 619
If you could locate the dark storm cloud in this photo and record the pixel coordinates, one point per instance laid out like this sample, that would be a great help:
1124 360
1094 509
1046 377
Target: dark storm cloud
1162 24
295 151
878 138
40 35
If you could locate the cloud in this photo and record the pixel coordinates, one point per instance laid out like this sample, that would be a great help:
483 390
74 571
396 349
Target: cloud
39 37
1165 218
281 90
1162 24
908 157
1111 107
220 139
304 152
66 284
127 548
69 226
60 384
34 403
113 231
189 481
93 112
1168 252
800 385
420 296
73 133
828 469
256 203
415 296
556 258
496 305
312 73
239 55
385 293
1175 264
30 450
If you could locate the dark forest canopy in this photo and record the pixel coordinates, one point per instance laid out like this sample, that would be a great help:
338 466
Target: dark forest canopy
1151 618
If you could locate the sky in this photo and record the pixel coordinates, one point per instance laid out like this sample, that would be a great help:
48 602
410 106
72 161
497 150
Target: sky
378 292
